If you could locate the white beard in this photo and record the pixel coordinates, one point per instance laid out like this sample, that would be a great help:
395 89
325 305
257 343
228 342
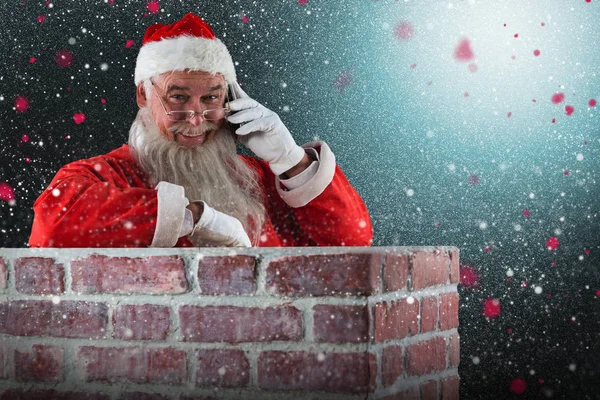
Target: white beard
212 172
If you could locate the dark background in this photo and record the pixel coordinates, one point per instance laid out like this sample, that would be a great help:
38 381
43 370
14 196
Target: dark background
325 68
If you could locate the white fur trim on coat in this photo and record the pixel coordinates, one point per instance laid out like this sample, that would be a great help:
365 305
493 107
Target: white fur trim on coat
171 212
181 53
301 196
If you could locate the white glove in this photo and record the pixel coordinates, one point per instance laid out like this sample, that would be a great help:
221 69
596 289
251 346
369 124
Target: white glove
264 133
218 229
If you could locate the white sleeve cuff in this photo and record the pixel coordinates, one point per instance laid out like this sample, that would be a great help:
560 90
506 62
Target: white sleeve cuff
170 215
313 187
306 175
188 223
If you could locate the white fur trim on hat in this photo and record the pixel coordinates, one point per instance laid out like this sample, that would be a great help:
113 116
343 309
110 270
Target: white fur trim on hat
181 53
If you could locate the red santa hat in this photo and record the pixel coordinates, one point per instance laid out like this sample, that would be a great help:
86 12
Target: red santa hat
188 44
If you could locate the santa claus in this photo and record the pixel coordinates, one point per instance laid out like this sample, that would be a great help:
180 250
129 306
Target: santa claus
180 182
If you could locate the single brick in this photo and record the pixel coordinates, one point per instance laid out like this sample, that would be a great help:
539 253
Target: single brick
141 322
232 324
232 275
425 357
341 324
454 266
333 372
429 269
73 319
448 310
2 274
37 275
429 390
143 396
391 364
450 388
395 272
454 350
47 394
42 364
134 364
222 368
153 275
325 275
396 319
429 314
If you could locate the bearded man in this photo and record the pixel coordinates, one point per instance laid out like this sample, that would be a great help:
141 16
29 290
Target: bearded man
179 181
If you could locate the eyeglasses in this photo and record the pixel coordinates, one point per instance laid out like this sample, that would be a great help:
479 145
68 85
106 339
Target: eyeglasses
178 116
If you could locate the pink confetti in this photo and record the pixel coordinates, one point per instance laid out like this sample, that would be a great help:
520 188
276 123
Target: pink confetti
129 43
153 6
536 53
343 80
245 19
567 173
403 30
598 293
466 94
79 118
516 35
21 104
111 2
25 138
429 83
505 25
552 243
592 103
463 51
518 386
302 2
588 1
7 194
27 159
413 66
473 67
64 58
473 180
534 100
587 252
558 98
513 58
526 213
569 110
103 101
553 120
543 24
509 114
41 19
469 277
491 308
524 284
509 330
32 60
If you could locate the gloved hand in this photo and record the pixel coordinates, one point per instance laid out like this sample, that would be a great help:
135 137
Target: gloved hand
264 133
218 229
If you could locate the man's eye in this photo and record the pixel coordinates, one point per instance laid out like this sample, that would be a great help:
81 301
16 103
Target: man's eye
177 97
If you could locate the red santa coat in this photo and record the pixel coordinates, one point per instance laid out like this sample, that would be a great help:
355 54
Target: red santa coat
108 201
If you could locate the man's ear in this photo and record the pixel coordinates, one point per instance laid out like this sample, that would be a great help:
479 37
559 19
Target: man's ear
140 95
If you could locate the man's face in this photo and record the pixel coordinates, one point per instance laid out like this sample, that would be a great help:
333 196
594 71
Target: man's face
185 91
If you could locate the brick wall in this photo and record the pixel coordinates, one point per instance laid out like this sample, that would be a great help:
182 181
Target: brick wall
318 323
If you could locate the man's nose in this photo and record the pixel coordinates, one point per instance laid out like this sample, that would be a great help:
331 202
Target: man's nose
197 119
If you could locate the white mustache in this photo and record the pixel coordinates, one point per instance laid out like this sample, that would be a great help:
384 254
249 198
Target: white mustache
186 129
